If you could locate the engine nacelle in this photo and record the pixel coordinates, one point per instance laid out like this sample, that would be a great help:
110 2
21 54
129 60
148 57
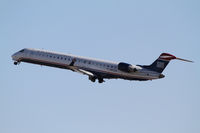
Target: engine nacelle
125 67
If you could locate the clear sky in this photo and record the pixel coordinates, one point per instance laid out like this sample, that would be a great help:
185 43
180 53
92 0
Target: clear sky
35 99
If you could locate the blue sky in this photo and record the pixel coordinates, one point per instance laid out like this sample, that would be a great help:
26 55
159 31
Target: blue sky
42 99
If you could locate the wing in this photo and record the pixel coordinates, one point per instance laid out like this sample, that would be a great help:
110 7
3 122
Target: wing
91 75
75 69
84 72
81 71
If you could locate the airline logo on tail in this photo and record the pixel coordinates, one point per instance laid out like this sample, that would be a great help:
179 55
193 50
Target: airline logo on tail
160 65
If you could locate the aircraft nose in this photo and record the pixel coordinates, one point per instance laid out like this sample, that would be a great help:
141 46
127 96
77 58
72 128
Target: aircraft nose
14 56
161 76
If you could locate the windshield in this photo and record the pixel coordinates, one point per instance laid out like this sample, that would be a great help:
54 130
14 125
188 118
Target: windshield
21 50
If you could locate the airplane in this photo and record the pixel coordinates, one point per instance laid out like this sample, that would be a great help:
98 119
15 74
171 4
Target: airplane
96 69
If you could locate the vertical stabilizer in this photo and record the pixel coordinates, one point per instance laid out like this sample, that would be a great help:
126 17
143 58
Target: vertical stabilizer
161 63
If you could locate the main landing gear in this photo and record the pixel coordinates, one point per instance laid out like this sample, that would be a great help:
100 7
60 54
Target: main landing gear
100 80
93 79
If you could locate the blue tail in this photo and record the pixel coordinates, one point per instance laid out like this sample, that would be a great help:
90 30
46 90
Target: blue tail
161 63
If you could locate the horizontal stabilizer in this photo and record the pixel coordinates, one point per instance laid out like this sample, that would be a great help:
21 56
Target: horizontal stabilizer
160 64
168 57
184 60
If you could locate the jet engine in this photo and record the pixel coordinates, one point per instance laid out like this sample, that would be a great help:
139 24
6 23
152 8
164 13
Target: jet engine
125 67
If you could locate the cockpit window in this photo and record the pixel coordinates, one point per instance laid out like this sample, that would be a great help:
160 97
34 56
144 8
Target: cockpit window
21 50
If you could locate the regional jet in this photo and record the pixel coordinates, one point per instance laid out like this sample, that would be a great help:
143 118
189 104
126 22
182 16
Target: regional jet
96 69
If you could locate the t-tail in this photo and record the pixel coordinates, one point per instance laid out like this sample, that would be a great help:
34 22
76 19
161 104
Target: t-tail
161 63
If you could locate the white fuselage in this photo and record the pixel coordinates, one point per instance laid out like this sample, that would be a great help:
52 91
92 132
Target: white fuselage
105 69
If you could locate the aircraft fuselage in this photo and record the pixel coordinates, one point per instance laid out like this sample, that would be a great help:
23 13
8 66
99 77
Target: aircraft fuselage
94 68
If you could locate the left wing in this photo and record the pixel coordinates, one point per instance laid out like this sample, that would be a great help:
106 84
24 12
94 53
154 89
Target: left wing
84 72
75 69
91 75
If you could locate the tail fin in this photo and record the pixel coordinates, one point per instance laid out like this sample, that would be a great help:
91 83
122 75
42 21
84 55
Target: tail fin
161 63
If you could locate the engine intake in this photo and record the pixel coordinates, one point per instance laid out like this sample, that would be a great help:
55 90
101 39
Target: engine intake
125 67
